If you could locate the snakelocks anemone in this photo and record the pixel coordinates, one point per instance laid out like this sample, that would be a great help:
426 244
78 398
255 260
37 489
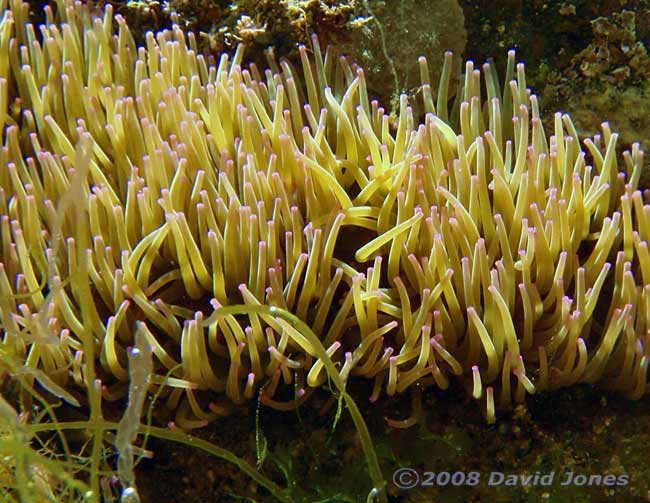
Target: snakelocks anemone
143 189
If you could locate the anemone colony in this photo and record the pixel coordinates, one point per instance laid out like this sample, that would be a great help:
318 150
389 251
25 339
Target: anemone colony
143 185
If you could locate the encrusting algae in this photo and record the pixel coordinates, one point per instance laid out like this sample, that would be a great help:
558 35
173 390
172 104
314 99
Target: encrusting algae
143 186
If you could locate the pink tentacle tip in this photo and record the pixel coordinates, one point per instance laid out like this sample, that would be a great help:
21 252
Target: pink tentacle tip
391 422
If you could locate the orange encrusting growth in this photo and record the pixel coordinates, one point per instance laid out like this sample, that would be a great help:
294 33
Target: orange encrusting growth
143 184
